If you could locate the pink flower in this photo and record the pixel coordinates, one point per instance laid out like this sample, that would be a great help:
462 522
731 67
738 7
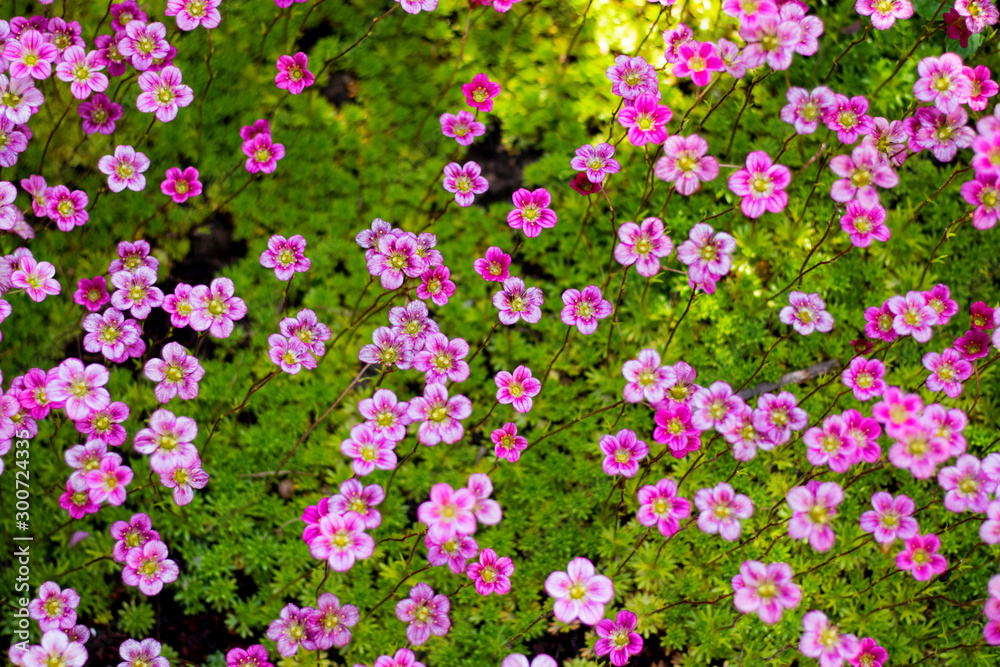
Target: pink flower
441 359
68 209
168 441
360 499
832 445
766 590
721 510
19 99
507 443
674 38
177 373
105 425
884 13
622 453
83 72
369 449
918 448
439 416
941 133
824 641
912 316
889 138
290 630
948 371
55 649
814 506
480 92
435 284
91 293
984 194
179 305
113 336
517 388
108 481
896 409
660 506
579 592
329 624
732 59
685 164
715 407
341 541
404 657
425 613
706 252
36 279
143 44
943 82
395 257
215 308
131 534
879 323
516 302
859 174
989 530
193 13
54 608
920 557
597 162
494 266
986 149
983 87
179 185
870 654
532 213
285 256
770 40
454 552
491 574
617 638
163 94
183 480
133 256
632 77
847 117
307 328
748 12
465 181
80 389
463 127
136 292
864 223
30 55
486 510
646 120
806 313
747 438
386 414
76 500
865 377
262 154
761 185
37 188
977 14
584 309
967 485
891 519
646 378
253 656
697 60
293 74
411 321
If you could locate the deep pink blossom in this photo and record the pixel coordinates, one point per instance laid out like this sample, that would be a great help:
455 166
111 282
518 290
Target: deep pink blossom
37 279
136 292
983 192
91 293
770 40
831 445
884 12
479 93
622 453
617 638
143 43
330 624
494 266
82 71
293 73
436 285
465 182
110 334
341 541
507 443
285 256
30 55
864 223
941 133
179 185
597 162
891 518
290 630
967 485
848 118
865 378
859 174
646 378
516 302
370 449
54 608
631 77
697 60
912 316
777 416
943 82
660 506
68 208
441 359
491 574
163 94
262 154
920 557
439 415
761 185
532 213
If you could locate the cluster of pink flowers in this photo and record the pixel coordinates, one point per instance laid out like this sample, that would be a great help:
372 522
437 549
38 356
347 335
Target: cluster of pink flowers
324 626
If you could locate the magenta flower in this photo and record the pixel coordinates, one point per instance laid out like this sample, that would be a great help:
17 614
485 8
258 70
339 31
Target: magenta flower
824 641
177 373
385 414
579 592
776 416
660 506
82 71
890 139
948 371
169 441
697 60
136 292
454 552
293 74
597 162
307 328
131 534
532 213
870 654
494 266
91 293
193 13
215 308
622 453
943 82
404 657
732 59
341 541
436 285
37 279
878 323
465 182
746 438
814 506
78 388
859 174
646 120
262 154
54 608
967 485
806 313
891 519
141 654
516 302
113 336
394 257
329 625
617 638
674 428
766 590
441 359
389 349
643 245
864 223
918 448
491 574
179 185
19 99
982 316
584 309
517 388
369 449
479 93
941 133
761 185
770 40
163 94
412 322
105 425
13 142
685 164
290 630
973 345
30 55
37 188
507 444
983 87
55 649
144 43
462 127
920 557
252 656
832 445
865 377
68 209
984 193
721 510
646 378
425 613
285 256
132 256
885 12
989 530
184 480
674 38
107 482
179 305
848 118
715 407
439 416
632 77
748 12
76 500
977 15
